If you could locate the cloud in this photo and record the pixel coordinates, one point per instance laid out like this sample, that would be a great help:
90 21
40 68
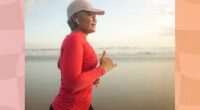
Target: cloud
30 4
166 7
163 6
166 32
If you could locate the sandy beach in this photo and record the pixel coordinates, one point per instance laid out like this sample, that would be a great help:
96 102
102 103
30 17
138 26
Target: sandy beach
140 82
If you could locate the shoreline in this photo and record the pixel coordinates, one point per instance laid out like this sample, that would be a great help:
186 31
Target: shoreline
37 57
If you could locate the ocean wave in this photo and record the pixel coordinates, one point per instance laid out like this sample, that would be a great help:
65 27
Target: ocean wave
113 51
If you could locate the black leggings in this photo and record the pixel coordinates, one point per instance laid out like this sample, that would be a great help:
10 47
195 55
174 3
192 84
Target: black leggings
91 108
51 108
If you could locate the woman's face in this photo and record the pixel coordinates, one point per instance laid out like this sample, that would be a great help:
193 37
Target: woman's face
87 22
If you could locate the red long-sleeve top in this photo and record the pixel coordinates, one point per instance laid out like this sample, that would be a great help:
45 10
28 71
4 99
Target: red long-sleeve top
78 66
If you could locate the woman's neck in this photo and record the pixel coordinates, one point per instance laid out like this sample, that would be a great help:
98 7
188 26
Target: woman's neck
81 31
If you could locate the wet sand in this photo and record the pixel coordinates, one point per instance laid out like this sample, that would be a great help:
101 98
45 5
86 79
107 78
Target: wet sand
138 83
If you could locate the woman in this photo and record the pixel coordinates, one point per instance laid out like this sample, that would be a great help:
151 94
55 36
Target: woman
78 61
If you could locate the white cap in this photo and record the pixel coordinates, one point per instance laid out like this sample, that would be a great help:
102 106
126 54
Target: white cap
79 5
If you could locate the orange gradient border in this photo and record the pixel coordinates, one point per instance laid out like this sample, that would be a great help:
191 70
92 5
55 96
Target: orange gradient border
187 55
12 55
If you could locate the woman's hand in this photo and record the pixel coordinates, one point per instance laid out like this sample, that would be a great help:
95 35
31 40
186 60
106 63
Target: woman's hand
97 82
106 62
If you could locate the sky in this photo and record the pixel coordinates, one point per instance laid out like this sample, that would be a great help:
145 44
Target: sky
126 23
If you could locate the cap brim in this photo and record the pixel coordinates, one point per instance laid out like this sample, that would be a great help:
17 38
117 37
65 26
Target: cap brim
96 11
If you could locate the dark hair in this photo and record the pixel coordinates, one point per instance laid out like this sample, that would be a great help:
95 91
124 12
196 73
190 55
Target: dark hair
72 24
